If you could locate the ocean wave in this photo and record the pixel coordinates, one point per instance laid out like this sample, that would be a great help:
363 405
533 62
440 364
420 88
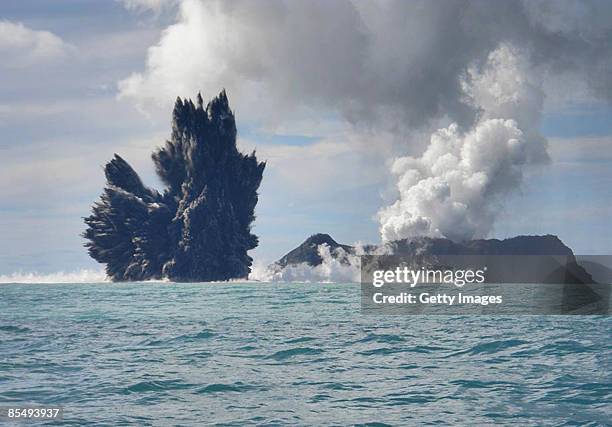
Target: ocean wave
236 387
293 352
14 329
186 338
157 386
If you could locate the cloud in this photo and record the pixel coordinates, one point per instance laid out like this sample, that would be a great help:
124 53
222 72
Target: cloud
21 46
392 64
154 5
341 161
582 151
456 189
397 67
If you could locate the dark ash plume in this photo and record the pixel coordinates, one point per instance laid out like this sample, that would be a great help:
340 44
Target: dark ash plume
199 229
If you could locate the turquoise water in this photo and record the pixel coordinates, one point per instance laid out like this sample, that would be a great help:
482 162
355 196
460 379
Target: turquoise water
235 354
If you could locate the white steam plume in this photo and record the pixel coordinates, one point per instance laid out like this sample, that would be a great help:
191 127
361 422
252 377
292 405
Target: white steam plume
339 267
457 187
388 64
402 67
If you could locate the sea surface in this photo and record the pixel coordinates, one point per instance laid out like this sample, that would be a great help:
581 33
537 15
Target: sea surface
291 354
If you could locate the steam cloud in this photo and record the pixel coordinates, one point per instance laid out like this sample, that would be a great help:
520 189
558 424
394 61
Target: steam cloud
338 267
484 66
388 63
456 188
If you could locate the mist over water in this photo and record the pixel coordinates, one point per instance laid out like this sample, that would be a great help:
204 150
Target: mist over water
78 276
166 354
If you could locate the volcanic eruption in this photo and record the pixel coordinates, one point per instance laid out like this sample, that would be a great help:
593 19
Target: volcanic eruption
199 227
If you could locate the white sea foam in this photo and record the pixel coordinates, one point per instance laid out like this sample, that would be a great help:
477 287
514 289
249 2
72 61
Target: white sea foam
339 267
79 276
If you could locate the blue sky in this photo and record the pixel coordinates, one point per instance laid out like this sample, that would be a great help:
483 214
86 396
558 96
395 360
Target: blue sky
79 83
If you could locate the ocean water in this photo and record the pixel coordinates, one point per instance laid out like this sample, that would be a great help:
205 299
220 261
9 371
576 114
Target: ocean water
297 354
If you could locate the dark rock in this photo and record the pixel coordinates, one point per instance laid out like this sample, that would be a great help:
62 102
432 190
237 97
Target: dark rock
542 258
199 229
525 259
521 259
308 251
520 245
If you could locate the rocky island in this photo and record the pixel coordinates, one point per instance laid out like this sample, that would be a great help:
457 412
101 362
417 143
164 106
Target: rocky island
518 257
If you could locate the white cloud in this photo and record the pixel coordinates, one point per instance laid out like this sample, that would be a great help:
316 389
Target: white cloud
277 57
343 160
55 172
21 46
153 5
392 65
581 151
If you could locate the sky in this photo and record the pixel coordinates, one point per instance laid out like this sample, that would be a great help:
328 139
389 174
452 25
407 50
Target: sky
332 95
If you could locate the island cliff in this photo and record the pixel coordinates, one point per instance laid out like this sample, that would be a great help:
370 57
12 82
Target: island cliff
199 228
308 252
520 250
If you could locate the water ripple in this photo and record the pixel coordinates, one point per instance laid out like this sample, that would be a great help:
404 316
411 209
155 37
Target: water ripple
299 354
